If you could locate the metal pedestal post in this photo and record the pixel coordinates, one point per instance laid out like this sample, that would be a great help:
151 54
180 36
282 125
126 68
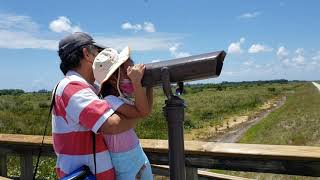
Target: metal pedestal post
174 113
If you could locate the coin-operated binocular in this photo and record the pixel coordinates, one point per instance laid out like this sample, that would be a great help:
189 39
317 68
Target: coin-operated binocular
191 68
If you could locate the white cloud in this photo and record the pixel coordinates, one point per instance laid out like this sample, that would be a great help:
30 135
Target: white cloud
17 23
174 50
228 73
299 59
22 40
248 63
282 52
129 26
235 47
149 27
257 48
249 15
63 24
316 57
299 51
146 26
20 32
141 43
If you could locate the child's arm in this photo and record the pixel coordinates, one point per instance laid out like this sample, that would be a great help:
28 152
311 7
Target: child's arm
132 111
127 110
143 98
141 103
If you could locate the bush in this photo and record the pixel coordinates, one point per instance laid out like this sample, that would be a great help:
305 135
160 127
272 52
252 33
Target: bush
271 89
44 104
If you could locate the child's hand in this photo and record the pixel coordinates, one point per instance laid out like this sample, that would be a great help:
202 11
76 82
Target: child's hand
135 73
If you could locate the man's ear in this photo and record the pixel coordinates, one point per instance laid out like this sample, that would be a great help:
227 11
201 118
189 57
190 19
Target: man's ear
85 53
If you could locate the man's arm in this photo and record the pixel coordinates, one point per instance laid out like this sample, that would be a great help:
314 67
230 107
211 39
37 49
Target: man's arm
127 110
117 123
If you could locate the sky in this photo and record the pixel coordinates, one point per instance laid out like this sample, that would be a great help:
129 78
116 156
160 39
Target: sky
264 40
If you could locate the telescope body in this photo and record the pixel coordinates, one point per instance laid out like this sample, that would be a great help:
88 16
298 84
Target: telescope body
190 68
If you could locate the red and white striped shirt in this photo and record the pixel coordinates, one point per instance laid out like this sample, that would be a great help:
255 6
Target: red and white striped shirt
77 113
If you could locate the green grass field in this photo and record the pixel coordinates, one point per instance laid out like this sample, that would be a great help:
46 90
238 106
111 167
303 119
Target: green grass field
206 105
297 122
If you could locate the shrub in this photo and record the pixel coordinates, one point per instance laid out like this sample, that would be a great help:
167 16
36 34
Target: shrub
271 89
44 104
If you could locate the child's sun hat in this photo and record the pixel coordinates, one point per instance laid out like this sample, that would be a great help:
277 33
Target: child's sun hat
107 62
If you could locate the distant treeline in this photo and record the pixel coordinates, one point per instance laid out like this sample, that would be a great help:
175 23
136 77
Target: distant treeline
11 91
226 83
219 86
280 81
19 91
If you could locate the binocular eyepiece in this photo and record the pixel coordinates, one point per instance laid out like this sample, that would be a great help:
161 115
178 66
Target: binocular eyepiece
203 66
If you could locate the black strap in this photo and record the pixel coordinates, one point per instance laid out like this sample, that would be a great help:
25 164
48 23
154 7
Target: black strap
94 152
45 130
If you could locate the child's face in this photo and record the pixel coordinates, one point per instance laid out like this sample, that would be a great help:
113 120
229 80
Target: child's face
123 73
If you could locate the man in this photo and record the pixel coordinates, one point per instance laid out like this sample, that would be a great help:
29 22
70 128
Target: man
78 111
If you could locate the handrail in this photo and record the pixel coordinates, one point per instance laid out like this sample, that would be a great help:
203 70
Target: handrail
279 159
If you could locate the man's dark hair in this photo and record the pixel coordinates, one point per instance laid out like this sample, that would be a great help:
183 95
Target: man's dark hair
72 60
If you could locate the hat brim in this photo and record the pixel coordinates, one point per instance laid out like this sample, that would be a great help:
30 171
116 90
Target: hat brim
123 57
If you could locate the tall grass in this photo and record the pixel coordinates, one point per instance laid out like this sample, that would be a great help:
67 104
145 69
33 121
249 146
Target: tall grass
208 106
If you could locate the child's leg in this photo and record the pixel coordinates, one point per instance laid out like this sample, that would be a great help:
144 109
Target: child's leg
145 172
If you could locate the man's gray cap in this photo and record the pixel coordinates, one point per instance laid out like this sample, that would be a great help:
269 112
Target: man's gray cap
75 40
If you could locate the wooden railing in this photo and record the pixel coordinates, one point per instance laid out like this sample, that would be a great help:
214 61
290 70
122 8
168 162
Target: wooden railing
279 159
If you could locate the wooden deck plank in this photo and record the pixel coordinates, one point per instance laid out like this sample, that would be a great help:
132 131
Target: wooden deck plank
199 148
280 159
164 170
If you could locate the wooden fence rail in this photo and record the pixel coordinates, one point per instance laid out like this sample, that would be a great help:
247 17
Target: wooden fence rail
279 159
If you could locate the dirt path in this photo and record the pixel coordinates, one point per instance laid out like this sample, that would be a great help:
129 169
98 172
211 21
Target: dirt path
317 85
235 133
234 128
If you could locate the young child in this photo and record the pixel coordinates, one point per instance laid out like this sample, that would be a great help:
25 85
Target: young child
119 80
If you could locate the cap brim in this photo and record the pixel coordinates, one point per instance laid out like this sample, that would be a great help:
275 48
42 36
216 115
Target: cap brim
99 45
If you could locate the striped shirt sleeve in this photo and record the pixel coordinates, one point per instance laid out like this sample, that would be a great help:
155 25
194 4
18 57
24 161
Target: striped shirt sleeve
114 101
84 106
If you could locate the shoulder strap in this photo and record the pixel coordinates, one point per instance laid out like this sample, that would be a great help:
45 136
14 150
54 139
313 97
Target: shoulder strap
45 130
94 152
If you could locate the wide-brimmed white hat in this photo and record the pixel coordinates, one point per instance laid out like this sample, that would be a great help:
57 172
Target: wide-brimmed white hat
107 62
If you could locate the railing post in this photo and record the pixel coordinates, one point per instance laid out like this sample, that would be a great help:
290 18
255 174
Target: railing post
191 173
26 166
3 165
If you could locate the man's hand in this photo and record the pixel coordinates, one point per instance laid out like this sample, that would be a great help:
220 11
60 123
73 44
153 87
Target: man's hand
135 73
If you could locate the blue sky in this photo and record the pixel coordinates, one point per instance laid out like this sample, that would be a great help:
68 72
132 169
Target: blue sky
264 39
